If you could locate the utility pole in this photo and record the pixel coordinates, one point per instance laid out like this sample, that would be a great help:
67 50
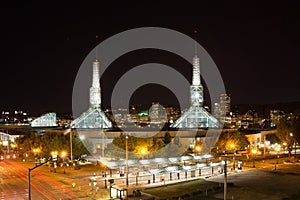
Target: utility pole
102 131
71 145
225 180
126 168
265 145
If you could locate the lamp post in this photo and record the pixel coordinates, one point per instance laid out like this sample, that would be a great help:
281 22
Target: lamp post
103 144
71 145
232 146
292 136
234 160
63 155
277 149
29 175
254 151
225 180
126 167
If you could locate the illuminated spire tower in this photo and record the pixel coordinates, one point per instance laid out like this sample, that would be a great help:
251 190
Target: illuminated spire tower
196 89
196 116
94 117
95 92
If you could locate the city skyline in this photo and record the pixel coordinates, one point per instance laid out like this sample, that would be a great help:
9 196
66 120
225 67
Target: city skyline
255 53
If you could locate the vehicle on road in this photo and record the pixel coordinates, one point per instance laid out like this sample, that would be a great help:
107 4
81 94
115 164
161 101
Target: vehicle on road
2 156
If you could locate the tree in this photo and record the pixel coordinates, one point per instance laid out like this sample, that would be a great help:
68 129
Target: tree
288 131
81 147
137 146
26 142
231 141
50 141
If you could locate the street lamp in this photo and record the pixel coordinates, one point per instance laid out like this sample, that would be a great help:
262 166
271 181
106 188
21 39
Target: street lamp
292 136
143 152
29 175
225 179
232 146
63 155
198 149
254 151
126 168
277 149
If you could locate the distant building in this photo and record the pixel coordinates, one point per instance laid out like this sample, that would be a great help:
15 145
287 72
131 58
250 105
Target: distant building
275 116
216 110
46 120
157 114
64 121
8 141
172 114
250 119
222 109
17 117
225 102
6 117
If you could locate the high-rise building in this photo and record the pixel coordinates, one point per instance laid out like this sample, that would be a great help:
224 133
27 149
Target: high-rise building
225 102
223 108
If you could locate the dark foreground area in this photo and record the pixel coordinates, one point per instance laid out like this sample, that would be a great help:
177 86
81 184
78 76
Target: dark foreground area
262 182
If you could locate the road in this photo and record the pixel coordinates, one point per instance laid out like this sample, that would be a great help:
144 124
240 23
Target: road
13 184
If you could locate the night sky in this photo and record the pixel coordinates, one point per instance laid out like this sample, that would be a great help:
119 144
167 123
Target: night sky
255 46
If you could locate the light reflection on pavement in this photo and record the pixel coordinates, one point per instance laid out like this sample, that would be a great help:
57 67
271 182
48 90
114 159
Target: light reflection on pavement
14 182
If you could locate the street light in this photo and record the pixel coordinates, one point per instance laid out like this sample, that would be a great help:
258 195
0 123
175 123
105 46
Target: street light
126 169
292 136
232 146
29 175
198 149
254 151
63 155
143 152
225 179
277 149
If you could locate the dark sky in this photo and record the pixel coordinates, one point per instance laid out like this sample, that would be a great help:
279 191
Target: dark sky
255 46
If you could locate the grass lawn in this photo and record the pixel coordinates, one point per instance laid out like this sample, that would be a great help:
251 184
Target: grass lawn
180 189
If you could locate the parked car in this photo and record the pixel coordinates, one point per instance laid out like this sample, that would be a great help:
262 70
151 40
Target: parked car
82 161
